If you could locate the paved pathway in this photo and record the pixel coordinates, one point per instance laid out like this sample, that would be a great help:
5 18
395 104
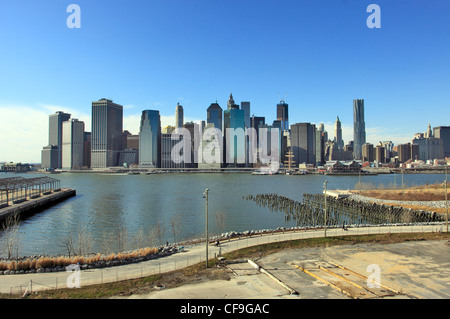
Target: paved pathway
192 255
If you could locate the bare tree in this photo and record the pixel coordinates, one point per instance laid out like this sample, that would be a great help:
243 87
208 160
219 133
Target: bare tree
84 241
11 235
158 231
68 244
220 221
138 239
176 225
121 239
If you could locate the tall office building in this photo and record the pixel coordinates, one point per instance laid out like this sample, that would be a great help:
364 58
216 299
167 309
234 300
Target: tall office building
283 114
167 145
49 157
321 139
195 133
359 128
55 125
367 152
106 137
73 144
443 132
214 115
234 136
179 116
87 150
150 139
303 143
245 106
338 134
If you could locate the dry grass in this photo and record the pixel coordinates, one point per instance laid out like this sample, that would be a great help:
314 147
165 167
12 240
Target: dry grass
434 192
62 261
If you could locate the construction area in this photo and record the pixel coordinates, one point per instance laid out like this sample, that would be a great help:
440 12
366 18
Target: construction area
408 270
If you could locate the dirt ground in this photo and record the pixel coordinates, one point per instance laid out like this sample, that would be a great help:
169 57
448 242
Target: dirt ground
401 270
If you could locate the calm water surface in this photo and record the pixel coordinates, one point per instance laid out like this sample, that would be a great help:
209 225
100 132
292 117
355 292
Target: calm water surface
107 203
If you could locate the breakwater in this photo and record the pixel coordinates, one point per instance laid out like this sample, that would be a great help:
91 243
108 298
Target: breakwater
310 212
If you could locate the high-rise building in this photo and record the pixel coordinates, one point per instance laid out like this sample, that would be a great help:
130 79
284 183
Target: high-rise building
167 146
195 134
321 139
380 154
49 157
234 137
87 149
367 152
150 139
245 106
106 138
283 114
215 115
443 132
359 128
338 134
55 138
179 116
303 143
211 154
72 144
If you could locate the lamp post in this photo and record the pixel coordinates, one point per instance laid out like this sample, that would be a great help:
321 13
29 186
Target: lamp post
205 195
325 198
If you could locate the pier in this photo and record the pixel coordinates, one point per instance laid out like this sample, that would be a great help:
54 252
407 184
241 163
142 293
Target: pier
26 196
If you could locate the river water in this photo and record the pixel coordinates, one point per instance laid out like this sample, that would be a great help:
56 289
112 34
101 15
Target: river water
106 205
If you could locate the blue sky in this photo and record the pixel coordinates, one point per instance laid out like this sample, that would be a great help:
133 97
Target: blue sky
320 54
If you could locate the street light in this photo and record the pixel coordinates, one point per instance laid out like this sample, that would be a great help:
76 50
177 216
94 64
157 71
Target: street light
325 197
205 195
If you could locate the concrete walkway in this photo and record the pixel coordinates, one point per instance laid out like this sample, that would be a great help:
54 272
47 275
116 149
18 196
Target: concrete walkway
192 255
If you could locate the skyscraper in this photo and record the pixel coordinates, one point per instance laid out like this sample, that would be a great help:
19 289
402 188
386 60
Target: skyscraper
73 144
234 136
338 134
55 125
303 143
106 137
283 114
245 106
443 132
150 139
359 128
179 116
214 115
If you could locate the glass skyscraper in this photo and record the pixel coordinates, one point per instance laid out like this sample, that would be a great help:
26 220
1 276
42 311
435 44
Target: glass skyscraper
359 128
150 139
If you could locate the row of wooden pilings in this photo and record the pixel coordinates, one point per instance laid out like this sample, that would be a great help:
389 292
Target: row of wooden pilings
340 211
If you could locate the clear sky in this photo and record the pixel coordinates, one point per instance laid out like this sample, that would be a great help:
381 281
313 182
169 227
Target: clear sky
150 54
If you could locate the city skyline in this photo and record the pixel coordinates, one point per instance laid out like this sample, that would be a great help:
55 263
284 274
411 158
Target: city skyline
318 57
